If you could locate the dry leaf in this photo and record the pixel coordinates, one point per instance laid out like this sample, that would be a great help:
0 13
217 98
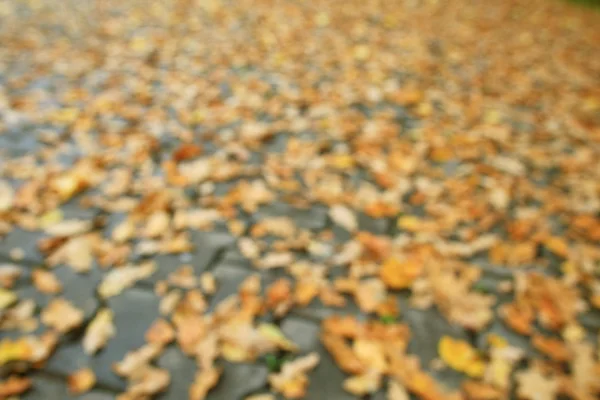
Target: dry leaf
205 380
148 382
292 381
273 334
482 391
275 260
160 333
134 361
81 381
362 385
398 274
46 282
7 298
343 217
7 195
170 301
61 315
71 227
342 354
532 385
370 294
157 224
123 231
396 391
208 283
14 386
186 151
99 331
9 274
460 356
120 278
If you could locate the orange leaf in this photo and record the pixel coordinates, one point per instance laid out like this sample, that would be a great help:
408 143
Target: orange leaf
186 151
398 274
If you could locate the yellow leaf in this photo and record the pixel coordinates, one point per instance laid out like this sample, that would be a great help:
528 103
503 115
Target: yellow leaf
273 334
7 298
398 274
51 218
459 355
409 223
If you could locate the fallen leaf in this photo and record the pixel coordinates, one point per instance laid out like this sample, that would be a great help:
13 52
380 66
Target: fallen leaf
532 385
396 391
292 381
459 355
134 361
362 385
553 348
204 381
482 391
343 217
7 298
186 151
272 333
81 381
160 333
342 354
275 260
14 386
123 231
9 274
123 277
7 195
208 283
157 224
46 282
397 274
61 315
370 294
70 227
148 382
99 331
170 301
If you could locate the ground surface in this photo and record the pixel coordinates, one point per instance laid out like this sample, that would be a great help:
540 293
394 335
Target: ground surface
301 199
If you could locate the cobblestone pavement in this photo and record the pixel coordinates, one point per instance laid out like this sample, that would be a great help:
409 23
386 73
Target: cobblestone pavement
429 168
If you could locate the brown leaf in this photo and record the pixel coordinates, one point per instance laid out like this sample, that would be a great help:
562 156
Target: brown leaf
61 315
342 354
532 385
46 282
99 331
14 386
205 380
81 381
135 361
120 278
362 385
186 151
292 381
553 348
160 333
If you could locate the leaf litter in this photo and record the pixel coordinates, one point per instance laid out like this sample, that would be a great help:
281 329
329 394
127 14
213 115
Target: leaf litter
482 159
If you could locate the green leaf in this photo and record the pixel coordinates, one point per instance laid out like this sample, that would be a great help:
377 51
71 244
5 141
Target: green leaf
388 319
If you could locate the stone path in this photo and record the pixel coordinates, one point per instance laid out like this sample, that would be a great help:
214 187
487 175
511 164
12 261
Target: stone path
232 140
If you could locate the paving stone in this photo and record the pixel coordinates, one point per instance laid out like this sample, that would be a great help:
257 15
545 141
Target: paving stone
78 288
498 327
27 240
313 218
239 380
427 328
207 246
326 379
228 280
54 388
378 226
134 311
